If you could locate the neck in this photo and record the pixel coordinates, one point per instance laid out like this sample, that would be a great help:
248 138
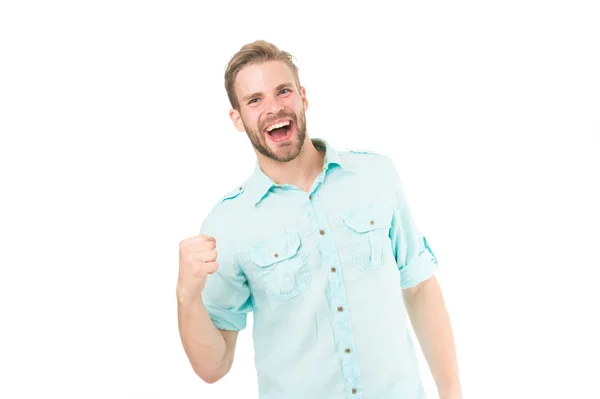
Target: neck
300 172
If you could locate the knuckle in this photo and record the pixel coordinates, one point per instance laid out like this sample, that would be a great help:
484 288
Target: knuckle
215 267
211 267
198 272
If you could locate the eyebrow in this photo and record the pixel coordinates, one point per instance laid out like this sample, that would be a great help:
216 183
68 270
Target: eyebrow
258 94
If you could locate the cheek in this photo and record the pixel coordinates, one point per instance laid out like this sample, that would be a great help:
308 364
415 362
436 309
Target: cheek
256 119
296 104
251 118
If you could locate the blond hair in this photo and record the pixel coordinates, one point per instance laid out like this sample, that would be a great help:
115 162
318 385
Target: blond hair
254 53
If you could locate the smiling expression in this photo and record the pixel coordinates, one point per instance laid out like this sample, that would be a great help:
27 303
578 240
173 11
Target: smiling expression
272 109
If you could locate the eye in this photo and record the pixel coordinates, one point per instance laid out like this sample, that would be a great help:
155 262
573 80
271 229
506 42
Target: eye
283 91
253 101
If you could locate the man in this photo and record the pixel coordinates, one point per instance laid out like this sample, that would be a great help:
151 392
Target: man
321 246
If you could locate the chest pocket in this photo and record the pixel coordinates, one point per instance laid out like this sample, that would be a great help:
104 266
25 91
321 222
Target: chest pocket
281 269
368 235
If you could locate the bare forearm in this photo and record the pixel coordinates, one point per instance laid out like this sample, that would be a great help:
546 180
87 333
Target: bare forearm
203 343
431 323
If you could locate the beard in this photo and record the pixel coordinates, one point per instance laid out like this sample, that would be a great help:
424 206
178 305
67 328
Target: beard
286 151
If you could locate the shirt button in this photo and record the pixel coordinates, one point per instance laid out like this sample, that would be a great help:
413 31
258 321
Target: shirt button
333 270
353 390
372 222
340 309
310 197
276 255
347 350
322 232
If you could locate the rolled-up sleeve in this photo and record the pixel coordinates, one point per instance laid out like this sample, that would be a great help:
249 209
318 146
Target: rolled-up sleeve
226 295
414 257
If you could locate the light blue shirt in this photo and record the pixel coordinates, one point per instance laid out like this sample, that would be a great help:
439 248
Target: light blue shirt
323 274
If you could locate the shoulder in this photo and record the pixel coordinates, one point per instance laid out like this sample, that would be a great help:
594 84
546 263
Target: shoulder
230 198
368 159
365 152
366 155
221 209
234 193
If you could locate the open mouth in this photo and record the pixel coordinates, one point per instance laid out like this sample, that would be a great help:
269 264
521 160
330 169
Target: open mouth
280 131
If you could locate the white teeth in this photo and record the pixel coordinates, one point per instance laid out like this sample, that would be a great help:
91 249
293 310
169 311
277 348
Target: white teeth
282 124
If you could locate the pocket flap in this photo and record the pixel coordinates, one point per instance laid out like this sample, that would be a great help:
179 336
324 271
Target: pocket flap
275 249
368 218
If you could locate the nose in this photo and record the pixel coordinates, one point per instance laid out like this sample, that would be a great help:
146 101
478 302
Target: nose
274 106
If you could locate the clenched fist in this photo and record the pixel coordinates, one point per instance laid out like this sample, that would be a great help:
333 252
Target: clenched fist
197 259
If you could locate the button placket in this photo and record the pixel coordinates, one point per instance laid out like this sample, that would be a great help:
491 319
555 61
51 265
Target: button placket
341 324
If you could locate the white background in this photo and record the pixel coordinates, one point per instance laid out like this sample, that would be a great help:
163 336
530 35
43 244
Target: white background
115 143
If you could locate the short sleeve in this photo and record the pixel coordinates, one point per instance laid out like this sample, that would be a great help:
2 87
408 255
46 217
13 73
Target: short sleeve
414 257
226 295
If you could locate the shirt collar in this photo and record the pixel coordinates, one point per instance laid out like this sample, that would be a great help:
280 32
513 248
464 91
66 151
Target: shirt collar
260 184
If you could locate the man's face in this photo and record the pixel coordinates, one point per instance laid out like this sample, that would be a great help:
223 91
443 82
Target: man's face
272 109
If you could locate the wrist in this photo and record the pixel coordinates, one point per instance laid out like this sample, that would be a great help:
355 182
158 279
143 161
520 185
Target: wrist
186 298
451 394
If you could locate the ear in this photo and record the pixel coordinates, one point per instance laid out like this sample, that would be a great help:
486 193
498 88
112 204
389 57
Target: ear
237 120
303 97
